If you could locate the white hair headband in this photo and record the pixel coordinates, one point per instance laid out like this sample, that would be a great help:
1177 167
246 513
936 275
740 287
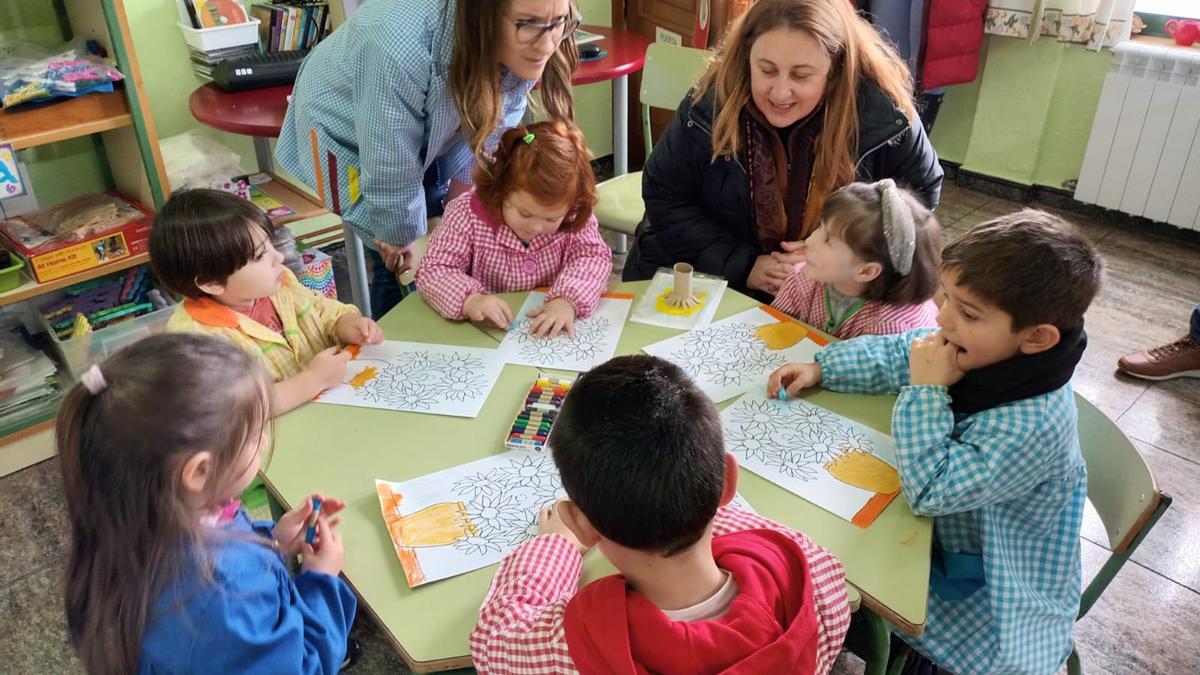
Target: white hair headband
899 229
93 380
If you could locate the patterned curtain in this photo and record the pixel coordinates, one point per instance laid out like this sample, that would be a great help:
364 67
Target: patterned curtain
1095 23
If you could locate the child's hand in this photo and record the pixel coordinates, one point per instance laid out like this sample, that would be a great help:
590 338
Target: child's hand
796 377
550 521
933 361
290 529
329 367
552 317
324 555
481 307
356 329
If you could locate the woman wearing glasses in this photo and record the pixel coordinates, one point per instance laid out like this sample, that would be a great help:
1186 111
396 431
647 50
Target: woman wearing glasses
803 98
405 96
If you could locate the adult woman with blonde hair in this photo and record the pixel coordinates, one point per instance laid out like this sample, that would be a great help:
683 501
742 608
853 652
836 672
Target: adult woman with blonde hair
802 98
406 96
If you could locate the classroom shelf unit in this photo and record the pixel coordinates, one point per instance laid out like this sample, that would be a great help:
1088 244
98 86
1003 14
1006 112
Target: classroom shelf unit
123 121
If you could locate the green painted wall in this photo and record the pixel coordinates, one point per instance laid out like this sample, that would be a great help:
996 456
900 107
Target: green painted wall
1027 117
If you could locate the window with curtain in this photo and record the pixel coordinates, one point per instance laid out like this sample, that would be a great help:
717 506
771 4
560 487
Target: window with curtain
1185 9
1095 23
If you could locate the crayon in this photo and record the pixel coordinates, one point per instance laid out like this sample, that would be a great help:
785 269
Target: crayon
311 533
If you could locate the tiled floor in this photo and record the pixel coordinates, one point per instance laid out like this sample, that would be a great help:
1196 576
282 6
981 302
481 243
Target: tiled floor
1147 622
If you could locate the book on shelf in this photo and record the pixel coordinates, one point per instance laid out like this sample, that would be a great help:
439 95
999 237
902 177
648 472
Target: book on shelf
288 25
29 384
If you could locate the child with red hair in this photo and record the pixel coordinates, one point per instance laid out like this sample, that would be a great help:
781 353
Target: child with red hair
527 223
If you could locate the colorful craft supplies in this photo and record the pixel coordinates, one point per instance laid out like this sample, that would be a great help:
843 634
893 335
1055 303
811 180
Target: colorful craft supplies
531 428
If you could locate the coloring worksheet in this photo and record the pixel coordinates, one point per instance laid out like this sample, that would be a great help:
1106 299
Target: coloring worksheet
416 377
654 309
461 519
595 337
734 355
829 460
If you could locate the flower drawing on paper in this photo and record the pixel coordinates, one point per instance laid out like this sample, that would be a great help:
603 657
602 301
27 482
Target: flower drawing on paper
541 351
520 331
760 415
460 385
478 485
740 333
477 545
848 439
546 495
794 465
706 339
753 443
414 398
456 361
818 446
763 360
724 374
415 366
692 360
495 513
531 472
809 419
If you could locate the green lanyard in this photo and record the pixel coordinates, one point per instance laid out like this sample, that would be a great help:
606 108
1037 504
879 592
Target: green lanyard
834 323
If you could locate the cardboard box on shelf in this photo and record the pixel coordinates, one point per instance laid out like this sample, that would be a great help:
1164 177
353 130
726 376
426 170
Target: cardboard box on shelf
75 236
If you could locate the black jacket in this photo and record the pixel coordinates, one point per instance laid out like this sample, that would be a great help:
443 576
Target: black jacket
699 212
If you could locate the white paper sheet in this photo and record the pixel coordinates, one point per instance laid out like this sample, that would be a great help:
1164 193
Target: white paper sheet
461 519
650 311
595 339
417 377
812 452
727 358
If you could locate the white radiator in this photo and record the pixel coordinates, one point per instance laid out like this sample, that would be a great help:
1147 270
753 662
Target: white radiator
1143 154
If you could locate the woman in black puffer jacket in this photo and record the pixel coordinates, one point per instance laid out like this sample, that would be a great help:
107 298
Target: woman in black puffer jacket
802 98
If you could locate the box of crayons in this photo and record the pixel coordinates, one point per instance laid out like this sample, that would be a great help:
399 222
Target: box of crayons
536 417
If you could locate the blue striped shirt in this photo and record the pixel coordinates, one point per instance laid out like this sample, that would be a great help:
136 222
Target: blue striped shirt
376 93
1007 484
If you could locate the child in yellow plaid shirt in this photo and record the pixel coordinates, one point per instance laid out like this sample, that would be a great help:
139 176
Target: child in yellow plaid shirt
214 248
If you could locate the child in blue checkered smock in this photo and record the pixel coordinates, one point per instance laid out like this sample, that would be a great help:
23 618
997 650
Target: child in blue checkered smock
986 439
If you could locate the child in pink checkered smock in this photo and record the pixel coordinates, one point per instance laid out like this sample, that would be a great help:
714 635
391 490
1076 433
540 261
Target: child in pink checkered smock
871 268
527 224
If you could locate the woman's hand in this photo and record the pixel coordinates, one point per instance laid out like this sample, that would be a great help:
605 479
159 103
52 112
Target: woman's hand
552 317
768 274
397 259
793 253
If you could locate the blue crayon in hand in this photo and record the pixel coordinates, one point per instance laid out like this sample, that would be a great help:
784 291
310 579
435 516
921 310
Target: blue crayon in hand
310 534
783 393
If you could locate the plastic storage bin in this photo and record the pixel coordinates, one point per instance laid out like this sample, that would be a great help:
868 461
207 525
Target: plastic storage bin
221 37
10 277
77 354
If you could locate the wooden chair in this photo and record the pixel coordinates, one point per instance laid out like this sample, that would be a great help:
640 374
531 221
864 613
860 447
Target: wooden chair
667 77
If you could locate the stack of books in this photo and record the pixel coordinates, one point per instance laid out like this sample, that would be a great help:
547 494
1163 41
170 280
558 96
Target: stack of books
29 387
289 25
203 62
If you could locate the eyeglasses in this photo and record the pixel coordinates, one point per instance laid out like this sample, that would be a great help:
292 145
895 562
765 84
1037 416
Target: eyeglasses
530 31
